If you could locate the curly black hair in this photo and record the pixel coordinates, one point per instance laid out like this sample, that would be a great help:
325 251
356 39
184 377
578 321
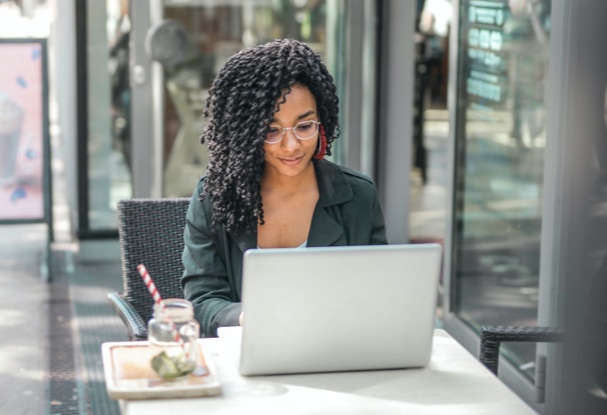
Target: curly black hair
242 100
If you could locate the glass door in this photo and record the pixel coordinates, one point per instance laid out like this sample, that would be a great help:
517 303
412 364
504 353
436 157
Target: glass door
500 137
188 42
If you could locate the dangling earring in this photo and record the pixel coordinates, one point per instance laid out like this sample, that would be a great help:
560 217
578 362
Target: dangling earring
321 148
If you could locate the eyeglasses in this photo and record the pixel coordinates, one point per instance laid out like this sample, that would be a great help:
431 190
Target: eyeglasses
303 130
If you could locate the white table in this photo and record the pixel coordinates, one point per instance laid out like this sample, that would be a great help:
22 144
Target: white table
453 383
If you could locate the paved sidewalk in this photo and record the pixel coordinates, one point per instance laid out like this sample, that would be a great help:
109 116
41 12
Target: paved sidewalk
50 353
23 320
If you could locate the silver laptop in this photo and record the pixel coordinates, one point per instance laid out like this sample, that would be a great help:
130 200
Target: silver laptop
338 308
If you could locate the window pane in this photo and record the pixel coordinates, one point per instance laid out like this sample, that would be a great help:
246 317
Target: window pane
503 65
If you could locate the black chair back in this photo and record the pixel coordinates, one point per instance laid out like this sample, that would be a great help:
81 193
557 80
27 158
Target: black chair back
151 233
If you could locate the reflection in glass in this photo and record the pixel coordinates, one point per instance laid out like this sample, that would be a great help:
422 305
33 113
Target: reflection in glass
216 30
503 48
109 138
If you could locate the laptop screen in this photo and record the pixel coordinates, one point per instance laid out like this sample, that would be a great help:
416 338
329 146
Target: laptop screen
338 308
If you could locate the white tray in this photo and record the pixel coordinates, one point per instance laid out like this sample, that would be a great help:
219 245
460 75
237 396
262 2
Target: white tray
128 374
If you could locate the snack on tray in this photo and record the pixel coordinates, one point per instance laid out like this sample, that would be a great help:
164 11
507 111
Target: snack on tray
172 367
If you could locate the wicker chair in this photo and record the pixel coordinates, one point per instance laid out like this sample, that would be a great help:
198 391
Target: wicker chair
151 233
493 336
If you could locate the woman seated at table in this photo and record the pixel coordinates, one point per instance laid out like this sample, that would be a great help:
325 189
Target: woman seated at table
272 116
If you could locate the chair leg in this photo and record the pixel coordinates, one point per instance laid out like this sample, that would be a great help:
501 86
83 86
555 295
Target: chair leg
489 353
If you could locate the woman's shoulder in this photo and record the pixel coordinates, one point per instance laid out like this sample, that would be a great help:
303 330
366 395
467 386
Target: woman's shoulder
349 174
200 209
198 201
198 188
355 175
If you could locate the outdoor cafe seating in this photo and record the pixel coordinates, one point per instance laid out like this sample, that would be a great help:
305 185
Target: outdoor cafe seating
151 232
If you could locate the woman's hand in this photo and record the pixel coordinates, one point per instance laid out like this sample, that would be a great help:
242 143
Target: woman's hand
241 318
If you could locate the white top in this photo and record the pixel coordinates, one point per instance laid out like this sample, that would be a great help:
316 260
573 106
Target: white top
453 383
303 245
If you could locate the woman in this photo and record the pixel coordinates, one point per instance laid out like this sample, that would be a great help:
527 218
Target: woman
272 113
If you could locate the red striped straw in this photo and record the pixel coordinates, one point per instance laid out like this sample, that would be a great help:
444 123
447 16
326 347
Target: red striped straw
152 289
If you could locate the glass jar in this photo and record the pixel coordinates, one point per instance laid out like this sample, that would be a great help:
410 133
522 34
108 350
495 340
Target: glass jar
173 335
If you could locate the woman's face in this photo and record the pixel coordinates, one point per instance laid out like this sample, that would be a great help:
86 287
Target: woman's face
291 156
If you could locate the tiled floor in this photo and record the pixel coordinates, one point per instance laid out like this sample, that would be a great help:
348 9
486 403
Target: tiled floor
52 331
23 320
